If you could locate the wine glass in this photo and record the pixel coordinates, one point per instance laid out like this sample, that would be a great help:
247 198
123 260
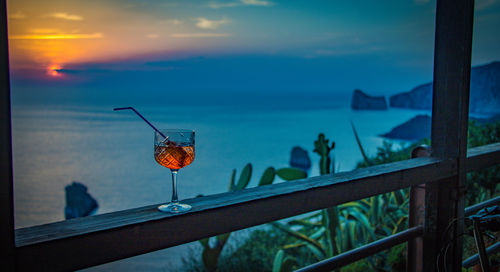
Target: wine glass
174 149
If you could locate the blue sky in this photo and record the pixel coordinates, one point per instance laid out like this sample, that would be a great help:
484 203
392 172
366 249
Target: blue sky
235 46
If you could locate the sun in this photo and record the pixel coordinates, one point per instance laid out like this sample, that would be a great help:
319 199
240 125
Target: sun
53 70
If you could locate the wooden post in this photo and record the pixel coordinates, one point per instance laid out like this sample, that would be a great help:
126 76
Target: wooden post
450 110
6 189
416 209
414 247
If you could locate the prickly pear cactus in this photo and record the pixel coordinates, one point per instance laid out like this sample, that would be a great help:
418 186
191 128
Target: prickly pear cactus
267 176
244 179
290 173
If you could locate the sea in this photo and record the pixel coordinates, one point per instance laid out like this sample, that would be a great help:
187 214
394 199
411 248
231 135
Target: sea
111 152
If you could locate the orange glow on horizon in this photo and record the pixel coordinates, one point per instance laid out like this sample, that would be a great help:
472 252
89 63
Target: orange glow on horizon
53 70
56 36
69 33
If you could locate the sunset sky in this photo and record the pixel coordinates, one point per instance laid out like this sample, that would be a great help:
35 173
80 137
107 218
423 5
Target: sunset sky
381 46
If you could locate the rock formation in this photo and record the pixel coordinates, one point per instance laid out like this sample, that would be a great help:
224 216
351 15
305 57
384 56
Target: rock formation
362 101
419 98
300 159
78 201
484 92
417 128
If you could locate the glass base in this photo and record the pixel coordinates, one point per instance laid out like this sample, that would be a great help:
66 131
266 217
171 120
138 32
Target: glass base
174 208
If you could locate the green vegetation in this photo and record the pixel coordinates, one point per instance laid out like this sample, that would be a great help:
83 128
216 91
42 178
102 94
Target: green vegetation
285 246
483 184
346 226
213 246
386 153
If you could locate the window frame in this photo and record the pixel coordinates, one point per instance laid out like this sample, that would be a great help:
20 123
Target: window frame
89 241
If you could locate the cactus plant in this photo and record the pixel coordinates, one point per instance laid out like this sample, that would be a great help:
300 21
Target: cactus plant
267 176
344 227
323 149
331 220
283 263
289 173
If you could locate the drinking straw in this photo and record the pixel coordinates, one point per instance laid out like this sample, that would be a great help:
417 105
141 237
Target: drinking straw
140 115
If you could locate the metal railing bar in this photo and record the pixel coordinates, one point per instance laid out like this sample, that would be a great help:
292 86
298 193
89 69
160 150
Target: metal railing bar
474 259
364 251
476 207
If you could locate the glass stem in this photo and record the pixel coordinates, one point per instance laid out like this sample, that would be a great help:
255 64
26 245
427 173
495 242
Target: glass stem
174 187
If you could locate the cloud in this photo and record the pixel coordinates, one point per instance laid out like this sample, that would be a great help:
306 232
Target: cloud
56 36
172 21
217 5
199 35
18 15
329 52
44 30
256 3
205 23
152 36
64 16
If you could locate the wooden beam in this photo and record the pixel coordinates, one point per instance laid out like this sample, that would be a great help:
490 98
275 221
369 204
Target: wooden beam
483 156
6 189
450 111
89 241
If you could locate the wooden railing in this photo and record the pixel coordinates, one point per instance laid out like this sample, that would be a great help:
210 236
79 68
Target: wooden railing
89 241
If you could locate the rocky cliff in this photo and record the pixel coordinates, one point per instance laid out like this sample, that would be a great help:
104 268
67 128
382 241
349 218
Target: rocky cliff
419 127
484 92
362 101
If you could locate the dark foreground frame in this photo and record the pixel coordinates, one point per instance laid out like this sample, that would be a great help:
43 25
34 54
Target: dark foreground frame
89 241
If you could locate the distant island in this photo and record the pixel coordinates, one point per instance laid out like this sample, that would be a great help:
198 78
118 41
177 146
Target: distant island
484 99
484 92
419 127
362 101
